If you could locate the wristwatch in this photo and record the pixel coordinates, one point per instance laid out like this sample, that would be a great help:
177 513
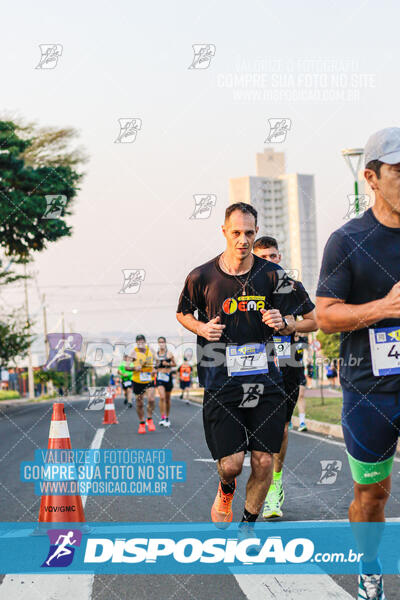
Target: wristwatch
285 324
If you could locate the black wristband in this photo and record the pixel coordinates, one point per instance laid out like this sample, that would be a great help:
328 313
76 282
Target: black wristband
285 324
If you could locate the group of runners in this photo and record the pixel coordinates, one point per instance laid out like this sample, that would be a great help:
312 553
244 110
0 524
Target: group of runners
143 372
238 301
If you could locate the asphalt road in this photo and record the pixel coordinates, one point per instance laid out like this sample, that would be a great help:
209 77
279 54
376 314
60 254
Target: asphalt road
25 428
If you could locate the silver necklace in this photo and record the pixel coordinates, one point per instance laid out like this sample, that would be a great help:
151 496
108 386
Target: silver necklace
243 284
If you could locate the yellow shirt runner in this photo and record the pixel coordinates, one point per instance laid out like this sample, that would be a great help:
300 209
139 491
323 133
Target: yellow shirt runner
145 361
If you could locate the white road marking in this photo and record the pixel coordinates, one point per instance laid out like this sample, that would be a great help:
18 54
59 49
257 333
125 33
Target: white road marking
46 587
290 587
51 587
95 445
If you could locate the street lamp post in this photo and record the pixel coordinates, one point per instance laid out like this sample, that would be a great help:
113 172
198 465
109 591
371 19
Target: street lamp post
353 157
73 371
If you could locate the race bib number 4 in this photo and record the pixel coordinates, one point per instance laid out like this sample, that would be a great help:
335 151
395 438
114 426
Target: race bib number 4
249 359
385 350
282 345
145 376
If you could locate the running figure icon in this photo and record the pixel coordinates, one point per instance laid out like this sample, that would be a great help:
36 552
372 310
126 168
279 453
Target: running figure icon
63 348
62 549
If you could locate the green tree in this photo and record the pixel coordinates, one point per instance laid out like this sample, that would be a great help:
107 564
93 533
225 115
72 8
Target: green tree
6 274
330 344
24 227
102 380
56 377
34 163
15 337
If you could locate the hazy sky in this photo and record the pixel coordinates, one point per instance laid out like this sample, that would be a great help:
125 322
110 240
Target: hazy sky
329 67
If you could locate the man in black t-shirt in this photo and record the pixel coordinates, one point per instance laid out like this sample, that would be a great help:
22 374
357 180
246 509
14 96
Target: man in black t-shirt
292 369
358 295
239 299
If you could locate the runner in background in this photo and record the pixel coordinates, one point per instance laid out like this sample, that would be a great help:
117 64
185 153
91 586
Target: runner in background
143 383
309 374
185 379
111 383
126 379
118 384
334 372
266 247
329 372
164 362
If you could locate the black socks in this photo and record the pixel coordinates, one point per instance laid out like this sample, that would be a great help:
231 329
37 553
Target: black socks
249 517
228 488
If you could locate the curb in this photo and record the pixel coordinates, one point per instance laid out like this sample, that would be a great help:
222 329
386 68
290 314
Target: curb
328 429
196 399
26 402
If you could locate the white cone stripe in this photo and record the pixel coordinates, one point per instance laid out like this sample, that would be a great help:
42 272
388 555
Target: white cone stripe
109 407
58 429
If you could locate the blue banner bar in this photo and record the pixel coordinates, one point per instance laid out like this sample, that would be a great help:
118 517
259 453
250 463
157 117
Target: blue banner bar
197 548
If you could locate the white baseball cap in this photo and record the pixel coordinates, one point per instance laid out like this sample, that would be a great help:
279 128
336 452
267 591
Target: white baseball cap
384 145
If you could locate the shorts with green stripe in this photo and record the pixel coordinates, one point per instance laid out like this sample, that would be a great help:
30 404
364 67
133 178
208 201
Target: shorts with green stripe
371 427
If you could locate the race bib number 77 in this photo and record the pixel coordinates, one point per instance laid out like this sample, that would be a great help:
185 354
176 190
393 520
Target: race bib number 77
248 359
385 350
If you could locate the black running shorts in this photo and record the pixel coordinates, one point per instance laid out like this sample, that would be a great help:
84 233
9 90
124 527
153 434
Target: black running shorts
167 385
233 428
140 388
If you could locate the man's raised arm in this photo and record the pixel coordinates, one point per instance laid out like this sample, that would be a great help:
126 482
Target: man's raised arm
335 315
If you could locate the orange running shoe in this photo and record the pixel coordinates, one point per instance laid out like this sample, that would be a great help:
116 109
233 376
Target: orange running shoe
221 510
142 428
150 425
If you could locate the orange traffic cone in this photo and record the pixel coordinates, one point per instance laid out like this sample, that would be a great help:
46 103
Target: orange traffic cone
61 509
110 416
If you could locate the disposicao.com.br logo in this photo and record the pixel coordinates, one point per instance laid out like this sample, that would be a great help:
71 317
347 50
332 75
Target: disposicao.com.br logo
195 548
212 550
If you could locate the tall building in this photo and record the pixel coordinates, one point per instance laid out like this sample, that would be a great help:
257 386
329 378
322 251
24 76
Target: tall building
270 163
285 203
